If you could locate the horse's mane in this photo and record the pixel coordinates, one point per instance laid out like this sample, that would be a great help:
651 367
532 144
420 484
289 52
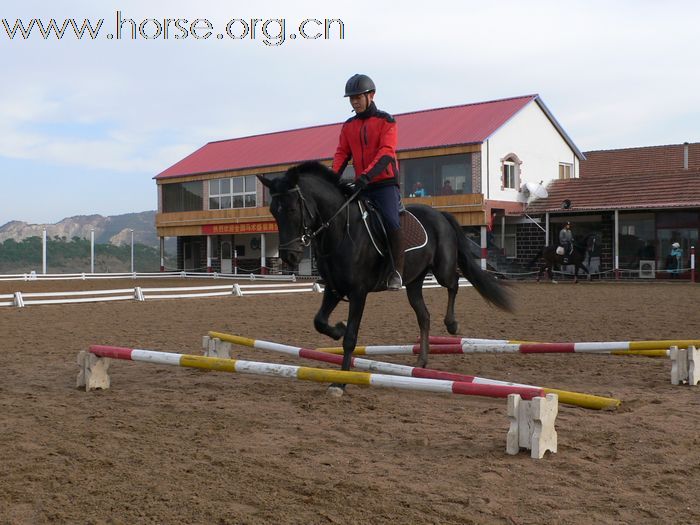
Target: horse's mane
315 169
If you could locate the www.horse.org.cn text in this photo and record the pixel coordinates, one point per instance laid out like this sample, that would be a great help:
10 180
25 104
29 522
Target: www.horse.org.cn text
271 32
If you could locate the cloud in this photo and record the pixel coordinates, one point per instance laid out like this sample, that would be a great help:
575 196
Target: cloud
614 74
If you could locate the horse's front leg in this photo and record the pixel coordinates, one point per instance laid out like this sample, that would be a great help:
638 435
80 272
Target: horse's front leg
330 301
355 311
415 297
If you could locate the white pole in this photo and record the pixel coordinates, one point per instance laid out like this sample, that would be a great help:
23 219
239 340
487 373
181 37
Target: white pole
617 244
208 253
92 250
484 248
503 234
546 229
43 252
263 260
132 251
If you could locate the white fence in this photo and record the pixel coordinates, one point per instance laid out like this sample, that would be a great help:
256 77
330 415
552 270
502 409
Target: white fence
33 276
21 299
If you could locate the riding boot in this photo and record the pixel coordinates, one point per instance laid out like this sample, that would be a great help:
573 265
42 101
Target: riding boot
397 255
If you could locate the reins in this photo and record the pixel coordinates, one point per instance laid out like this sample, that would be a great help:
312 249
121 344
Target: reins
307 236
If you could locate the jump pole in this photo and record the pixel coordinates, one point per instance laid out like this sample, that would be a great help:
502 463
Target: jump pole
319 375
531 421
567 397
496 347
653 348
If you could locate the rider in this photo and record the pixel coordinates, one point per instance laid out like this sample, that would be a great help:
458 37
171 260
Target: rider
566 238
369 139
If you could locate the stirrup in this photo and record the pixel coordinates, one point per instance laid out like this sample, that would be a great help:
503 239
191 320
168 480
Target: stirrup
394 283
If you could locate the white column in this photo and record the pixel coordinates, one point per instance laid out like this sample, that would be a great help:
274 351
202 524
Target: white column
162 254
132 251
503 234
208 253
263 260
546 229
484 248
43 252
616 244
92 251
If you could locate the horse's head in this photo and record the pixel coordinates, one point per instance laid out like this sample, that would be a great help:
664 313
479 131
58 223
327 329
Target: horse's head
295 201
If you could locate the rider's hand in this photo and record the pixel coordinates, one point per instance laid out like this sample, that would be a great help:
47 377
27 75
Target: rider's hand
362 182
347 187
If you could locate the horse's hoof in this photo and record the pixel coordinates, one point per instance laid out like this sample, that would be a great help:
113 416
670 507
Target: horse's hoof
452 327
335 391
555 282
338 331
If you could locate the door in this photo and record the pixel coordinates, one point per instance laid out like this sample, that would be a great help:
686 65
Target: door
226 257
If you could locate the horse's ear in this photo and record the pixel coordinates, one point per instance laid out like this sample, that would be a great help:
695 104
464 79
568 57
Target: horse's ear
265 182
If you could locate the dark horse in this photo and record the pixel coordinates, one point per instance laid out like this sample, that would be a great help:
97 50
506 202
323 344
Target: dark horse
310 208
550 257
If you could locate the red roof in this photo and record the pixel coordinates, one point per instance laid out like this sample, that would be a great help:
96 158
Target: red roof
466 124
622 192
629 161
633 178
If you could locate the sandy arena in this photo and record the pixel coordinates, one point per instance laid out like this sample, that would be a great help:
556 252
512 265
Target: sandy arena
169 445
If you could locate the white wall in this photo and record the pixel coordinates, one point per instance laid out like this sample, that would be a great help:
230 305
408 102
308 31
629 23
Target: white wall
533 138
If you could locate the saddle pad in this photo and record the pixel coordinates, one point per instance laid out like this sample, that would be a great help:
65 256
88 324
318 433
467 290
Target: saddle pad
414 234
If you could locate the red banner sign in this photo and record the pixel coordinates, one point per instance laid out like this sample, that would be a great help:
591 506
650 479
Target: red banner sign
239 227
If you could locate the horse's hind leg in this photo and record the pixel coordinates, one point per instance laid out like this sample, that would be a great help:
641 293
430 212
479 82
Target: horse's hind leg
446 274
330 301
450 322
452 285
414 291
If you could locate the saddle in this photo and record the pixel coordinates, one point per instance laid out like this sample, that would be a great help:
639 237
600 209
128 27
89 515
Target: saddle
414 234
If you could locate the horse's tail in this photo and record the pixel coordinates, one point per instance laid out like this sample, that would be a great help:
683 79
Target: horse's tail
486 284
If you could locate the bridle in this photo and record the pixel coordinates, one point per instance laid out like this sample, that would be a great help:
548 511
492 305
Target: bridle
307 235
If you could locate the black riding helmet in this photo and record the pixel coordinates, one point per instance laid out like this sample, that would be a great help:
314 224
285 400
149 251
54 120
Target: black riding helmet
359 84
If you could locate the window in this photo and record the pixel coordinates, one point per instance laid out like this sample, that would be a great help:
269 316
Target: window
442 175
509 174
232 192
183 196
565 170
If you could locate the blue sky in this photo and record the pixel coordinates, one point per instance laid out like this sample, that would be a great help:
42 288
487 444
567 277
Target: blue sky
86 124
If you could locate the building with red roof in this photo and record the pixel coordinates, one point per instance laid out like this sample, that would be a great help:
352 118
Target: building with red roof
487 151
639 201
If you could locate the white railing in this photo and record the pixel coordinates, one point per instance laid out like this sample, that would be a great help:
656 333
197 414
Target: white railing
21 299
33 276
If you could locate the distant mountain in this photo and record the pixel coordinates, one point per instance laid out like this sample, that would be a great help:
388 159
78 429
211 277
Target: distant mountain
114 229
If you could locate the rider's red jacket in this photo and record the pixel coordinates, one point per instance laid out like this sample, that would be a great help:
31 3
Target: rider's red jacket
369 139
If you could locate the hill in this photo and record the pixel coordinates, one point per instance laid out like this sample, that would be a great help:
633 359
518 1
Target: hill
68 244
115 230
